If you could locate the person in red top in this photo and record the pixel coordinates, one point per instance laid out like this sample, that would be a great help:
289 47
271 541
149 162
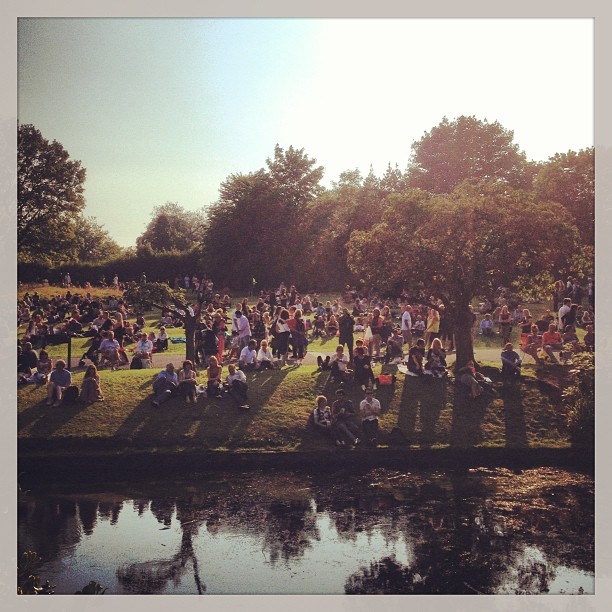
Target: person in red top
551 341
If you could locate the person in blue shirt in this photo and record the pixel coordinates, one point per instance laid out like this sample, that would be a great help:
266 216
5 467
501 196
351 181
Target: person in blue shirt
59 379
486 325
165 385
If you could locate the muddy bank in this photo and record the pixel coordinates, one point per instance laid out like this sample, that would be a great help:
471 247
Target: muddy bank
96 464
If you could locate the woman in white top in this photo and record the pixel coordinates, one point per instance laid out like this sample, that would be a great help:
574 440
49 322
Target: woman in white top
264 357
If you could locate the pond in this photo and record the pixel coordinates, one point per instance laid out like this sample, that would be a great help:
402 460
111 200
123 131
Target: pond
384 531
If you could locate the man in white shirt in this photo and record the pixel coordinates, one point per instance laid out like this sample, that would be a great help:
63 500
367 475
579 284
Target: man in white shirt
567 306
243 327
339 364
370 409
237 383
407 325
248 356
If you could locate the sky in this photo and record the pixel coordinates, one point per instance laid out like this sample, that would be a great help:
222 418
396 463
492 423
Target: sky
163 110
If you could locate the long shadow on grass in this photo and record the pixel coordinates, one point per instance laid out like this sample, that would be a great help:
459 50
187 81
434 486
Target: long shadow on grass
423 396
468 417
514 417
46 420
221 422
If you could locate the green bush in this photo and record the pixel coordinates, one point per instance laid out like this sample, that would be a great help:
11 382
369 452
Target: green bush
579 398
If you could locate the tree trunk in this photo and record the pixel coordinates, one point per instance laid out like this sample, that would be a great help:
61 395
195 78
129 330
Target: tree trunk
464 342
190 330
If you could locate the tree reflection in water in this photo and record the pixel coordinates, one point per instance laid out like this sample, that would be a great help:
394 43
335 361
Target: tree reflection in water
474 531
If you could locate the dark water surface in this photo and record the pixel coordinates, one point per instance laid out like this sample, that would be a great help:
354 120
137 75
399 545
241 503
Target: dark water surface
382 531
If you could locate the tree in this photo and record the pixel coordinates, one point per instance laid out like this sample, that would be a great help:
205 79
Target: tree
172 228
463 246
49 197
294 176
465 149
161 296
569 178
94 243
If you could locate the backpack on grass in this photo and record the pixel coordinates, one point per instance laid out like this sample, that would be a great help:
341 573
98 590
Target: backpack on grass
71 394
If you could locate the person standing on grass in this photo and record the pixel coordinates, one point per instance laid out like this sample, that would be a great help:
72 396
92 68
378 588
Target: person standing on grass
346 324
567 306
370 409
165 385
376 323
407 325
237 386
243 327
59 380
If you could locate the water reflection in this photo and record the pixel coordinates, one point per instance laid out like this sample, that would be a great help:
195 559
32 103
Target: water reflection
383 531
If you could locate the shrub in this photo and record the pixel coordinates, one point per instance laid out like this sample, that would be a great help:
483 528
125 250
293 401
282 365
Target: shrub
579 398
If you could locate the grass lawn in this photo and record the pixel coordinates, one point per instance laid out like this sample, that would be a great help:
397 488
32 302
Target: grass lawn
428 411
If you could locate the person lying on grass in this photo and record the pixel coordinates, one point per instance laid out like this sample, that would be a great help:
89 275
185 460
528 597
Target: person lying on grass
59 380
237 387
165 385
90 387
187 382
345 429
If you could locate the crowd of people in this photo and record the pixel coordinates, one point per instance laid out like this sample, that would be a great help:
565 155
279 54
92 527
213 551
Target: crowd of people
277 326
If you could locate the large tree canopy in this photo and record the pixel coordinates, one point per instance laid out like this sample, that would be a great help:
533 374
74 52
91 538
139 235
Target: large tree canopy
463 246
569 178
294 176
466 149
172 228
49 196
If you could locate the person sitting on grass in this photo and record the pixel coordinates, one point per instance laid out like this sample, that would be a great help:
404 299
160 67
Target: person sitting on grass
589 338
394 351
486 326
533 343
90 387
321 416
237 387
552 341
27 360
187 382
339 365
318 328
331 328
165 385
345 429
144 347
362 363
161 343
214 372
59 380
436 360
416 356
370 409
109 348
264 357
248 356
511 363
470 378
